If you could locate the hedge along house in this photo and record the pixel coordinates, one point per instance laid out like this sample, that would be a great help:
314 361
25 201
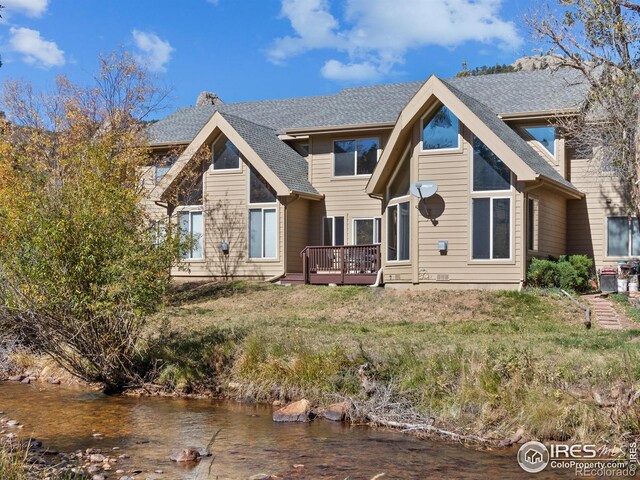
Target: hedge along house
318 188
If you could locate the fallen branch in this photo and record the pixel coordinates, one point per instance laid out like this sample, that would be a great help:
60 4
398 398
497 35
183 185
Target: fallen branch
424 427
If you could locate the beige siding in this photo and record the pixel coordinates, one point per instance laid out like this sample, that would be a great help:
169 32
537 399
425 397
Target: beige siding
552 224
226 211
297 235
587 218
451 171
344 196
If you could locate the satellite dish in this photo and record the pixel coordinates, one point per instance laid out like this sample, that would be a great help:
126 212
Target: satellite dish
423 190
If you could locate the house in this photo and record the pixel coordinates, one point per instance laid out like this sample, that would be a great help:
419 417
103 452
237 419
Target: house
318 189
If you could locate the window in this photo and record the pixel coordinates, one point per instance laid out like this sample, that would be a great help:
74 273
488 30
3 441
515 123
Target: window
226 157
491 228
489 172
398 232
355 157
623 237
263 221
532 224
366 231
190 191
441 131
546 136
158 232
490 214
333 231
191 231
163 166
263 233
259 190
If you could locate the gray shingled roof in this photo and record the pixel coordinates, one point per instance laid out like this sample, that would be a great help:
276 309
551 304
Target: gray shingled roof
284 162
526 92
520 92
519 146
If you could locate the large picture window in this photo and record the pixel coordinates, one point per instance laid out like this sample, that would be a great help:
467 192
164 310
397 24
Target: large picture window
398 232
192 233
263 219
441 130
491 228
623 237
333 231
355 157
226 156
489 172
263 233
490 212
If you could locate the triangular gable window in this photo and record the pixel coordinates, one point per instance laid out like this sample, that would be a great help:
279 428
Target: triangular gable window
441 130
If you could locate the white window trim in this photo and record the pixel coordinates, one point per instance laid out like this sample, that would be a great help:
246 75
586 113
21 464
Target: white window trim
606 246
355 157
511 226
333 230
394 203
194 209
353 229
263 207
436 151
224 170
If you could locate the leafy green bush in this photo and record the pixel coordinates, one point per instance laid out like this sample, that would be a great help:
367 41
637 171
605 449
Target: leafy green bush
568 272
542 273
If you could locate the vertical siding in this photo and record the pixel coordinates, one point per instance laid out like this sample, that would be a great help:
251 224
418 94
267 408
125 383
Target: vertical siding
586 218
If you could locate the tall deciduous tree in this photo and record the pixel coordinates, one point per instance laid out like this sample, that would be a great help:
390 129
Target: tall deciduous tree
600 39
80 269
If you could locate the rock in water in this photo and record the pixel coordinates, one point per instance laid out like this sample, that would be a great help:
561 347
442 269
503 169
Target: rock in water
294 412
336 411
189 454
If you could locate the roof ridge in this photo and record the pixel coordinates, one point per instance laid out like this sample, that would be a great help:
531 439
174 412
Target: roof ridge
232 115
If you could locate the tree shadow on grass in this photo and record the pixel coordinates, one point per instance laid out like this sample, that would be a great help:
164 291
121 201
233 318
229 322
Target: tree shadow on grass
191 292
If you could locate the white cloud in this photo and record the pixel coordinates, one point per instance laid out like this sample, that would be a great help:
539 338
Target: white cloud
31 8
36 50
353 72
375 35
155 52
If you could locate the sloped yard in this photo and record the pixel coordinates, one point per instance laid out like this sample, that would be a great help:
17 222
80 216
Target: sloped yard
485 363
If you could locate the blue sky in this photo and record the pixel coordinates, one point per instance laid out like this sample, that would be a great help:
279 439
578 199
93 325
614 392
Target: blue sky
251 50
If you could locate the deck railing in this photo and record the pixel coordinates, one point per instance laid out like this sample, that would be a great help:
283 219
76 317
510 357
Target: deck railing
345 264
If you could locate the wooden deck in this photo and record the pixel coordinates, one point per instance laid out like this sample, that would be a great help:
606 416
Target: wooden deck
341 265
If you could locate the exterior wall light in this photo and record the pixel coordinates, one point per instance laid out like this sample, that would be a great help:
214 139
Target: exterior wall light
224 246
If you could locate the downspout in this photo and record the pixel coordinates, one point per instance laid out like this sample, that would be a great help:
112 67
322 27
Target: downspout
378 279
